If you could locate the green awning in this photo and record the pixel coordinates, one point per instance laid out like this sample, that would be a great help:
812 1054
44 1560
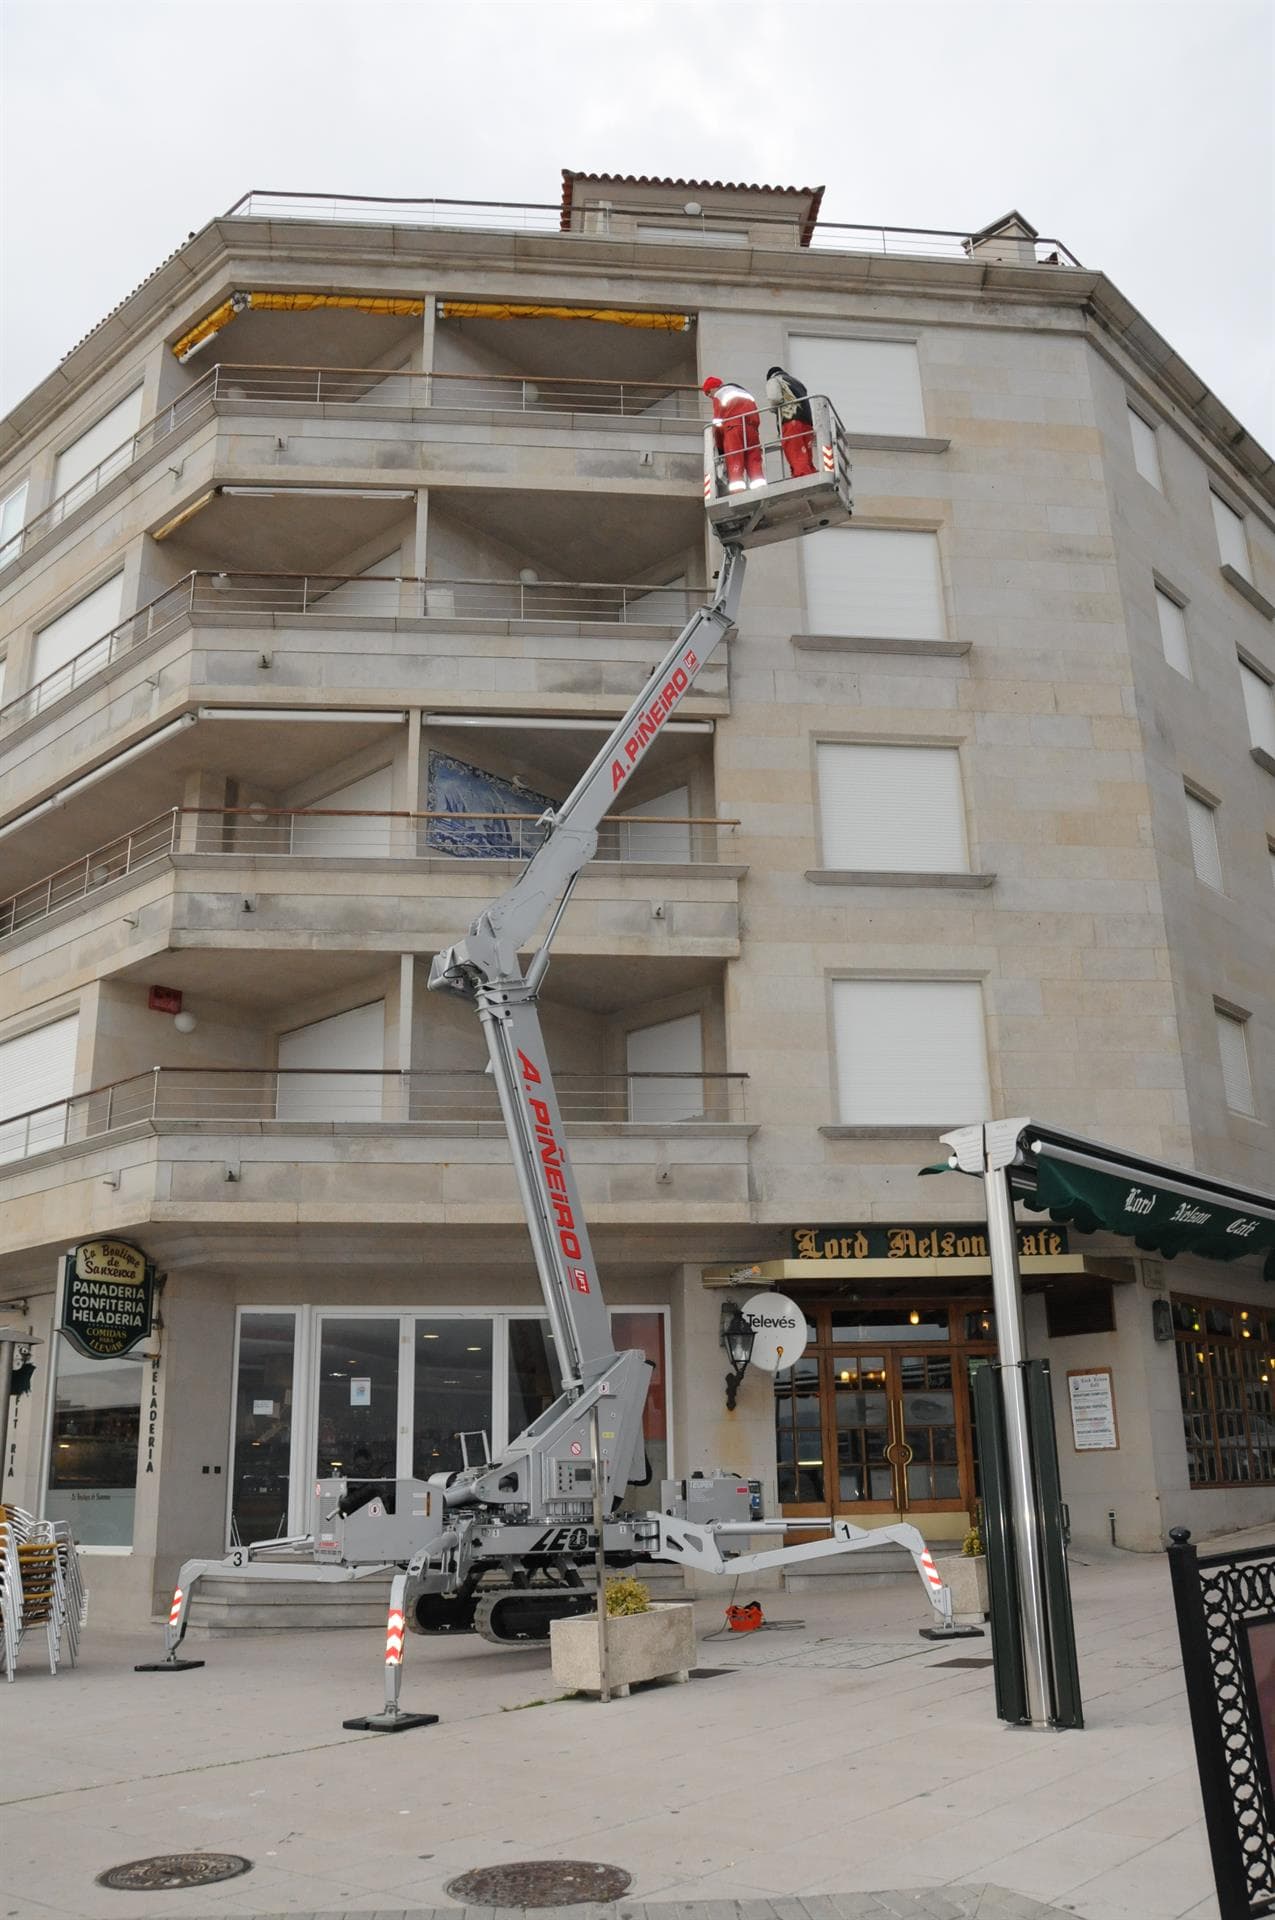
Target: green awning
1160 1217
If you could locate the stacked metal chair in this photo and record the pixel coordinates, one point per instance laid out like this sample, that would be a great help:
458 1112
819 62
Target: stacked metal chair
40 1586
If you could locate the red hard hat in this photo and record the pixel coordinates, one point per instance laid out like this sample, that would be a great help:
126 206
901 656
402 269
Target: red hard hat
711 384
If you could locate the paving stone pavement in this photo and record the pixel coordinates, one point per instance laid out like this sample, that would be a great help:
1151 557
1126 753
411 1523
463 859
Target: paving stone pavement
792 1787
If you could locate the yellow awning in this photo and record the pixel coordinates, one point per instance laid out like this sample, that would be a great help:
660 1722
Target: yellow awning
612 316
290 303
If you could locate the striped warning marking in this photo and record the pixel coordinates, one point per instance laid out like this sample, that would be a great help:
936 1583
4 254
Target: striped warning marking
930 1572
708 486
394 1639
828 460
175 1611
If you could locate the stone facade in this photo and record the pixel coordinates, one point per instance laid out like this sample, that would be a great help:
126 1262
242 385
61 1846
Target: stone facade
1099 952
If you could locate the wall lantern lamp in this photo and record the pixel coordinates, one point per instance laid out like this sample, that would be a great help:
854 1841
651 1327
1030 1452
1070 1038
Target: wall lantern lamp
737 1338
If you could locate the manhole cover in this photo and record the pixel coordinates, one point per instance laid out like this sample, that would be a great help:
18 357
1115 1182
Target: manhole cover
966 1662
164 1871
540 1883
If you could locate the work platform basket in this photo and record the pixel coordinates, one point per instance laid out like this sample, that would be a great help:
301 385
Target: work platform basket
783 506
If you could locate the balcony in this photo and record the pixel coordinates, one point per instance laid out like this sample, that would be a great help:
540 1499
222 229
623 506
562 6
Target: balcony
207 860
266 1152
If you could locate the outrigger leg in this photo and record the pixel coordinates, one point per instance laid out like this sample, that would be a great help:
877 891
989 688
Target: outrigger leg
391 1718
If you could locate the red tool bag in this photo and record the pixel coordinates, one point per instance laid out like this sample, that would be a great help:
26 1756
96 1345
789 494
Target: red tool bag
745 1619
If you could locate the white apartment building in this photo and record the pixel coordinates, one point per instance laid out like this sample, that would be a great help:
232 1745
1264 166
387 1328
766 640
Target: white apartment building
326 559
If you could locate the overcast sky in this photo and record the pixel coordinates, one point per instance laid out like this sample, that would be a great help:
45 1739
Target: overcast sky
1137 131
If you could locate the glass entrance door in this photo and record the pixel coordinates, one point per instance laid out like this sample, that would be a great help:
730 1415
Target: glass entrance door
880 1430
358 1397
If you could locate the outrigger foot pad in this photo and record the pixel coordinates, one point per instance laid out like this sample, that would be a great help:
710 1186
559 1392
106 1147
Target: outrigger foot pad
167 1666
389 1722
950 1633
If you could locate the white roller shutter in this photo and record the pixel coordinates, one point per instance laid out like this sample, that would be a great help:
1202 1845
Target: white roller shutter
875 385
1231 543
36 1069
1232 1046
13 510
1201 820
910 1052
662 840
1173 633
347 1041
696 236
106 447
1146 455
892 809
74 632
366 839
1259 704
351 597
871 583
665 605
672 1047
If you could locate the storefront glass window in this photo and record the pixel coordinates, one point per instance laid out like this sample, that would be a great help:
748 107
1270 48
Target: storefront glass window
453 1394
858 1324
534 1377
93 1466
1226 1376
646 1330
358 1398
798 1433
263 1427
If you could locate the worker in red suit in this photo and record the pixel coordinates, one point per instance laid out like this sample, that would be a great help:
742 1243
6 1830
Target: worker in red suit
791 402
736 431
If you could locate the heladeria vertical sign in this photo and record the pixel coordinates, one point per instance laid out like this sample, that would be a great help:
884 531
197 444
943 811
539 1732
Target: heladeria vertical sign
108 1290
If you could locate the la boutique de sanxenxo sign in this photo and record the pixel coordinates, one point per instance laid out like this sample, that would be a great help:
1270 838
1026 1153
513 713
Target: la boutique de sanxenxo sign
964 1240
107 1294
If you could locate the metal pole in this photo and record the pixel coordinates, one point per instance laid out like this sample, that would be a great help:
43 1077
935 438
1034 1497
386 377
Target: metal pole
7 1344
600 1559
1007 1299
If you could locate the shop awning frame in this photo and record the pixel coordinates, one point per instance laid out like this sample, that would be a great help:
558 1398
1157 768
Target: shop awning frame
1162 1208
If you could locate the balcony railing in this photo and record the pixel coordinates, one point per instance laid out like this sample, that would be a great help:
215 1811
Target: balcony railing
225 1099
314 389
346 597
512 216
341 834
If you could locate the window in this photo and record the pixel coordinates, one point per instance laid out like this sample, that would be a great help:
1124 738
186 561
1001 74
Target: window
695 236
1226 1376
97 1423
334 1051
66 649
1231 543
873 583
891 809
1232 1046
37 1073
875 385
1259 704
1146 456
106 449
910 1052
1173 632
674 1048
262 1455
1201 820
12 518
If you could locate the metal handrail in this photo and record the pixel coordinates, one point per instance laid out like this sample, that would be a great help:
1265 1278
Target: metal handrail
403 596
340 1096
545 217
405 388
351 834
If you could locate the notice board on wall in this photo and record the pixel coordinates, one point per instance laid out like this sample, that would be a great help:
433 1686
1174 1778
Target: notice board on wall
1092 1403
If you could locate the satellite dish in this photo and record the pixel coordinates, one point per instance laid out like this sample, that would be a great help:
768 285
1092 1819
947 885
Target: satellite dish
779 1330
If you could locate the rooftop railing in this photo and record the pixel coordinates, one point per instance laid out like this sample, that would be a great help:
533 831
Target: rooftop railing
227 1099
346 597
281 833
512 216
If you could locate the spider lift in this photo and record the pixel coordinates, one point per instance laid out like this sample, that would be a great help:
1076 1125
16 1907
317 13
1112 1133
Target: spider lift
505 1546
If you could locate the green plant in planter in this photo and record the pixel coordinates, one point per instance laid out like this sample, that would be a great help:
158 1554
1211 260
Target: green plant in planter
972 1545
627 1595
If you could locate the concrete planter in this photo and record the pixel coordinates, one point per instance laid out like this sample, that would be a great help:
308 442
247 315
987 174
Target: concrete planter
657 1645
966 1575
